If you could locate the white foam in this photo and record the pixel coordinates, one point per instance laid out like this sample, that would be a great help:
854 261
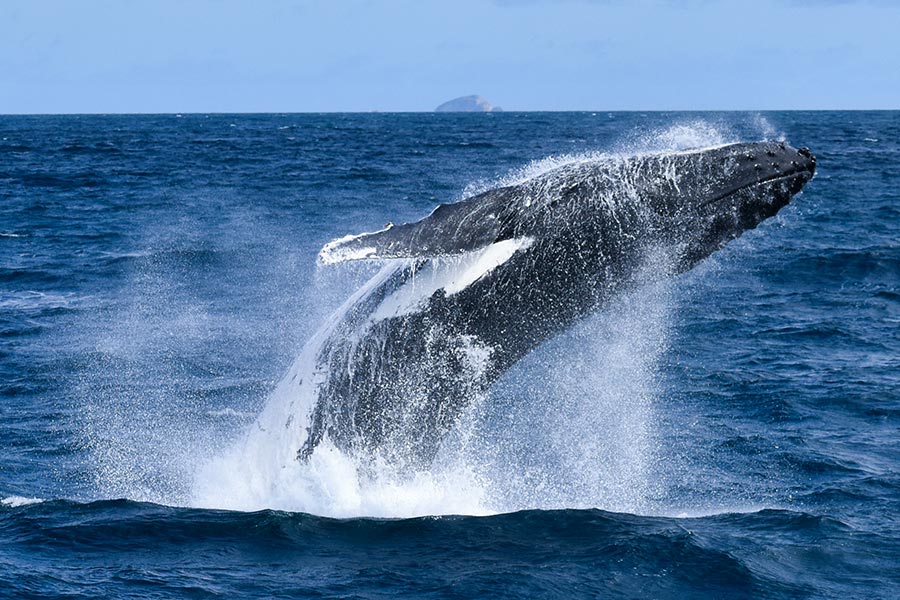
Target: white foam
17 501
331 484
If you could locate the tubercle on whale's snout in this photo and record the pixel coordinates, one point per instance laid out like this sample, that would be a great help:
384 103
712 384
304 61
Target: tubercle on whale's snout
765 163
774 160
805 151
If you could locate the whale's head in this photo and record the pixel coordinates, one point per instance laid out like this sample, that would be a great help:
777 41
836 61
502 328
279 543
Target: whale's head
705 198
755 180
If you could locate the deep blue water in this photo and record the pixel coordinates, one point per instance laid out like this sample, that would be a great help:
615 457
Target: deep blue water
158 277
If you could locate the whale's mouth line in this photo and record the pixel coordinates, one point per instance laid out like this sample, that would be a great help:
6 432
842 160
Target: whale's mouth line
765 181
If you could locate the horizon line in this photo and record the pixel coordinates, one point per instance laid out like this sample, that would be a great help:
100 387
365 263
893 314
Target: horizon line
421 112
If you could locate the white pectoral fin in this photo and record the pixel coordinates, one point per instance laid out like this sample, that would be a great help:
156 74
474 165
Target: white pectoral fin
483 262
347 248
452 274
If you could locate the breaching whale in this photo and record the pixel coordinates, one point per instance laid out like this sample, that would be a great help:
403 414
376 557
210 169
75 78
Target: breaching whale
472 288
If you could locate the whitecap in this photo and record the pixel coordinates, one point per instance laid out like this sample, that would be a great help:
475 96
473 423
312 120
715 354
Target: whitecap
17 501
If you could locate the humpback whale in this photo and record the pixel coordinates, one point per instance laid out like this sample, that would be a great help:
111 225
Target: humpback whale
472 288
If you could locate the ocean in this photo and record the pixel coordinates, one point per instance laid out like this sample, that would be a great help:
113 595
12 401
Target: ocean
731 432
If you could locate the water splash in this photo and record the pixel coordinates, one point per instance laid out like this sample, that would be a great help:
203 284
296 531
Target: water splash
261 471
679 137
572 425
556 432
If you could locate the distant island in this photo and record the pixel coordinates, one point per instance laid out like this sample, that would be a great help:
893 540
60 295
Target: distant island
468 104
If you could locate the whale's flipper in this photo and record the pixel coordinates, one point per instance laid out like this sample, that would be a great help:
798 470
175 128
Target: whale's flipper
450 229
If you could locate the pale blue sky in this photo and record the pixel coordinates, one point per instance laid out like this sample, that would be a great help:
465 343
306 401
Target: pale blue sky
59 56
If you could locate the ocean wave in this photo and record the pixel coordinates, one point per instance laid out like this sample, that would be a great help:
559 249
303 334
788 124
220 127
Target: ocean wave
770 553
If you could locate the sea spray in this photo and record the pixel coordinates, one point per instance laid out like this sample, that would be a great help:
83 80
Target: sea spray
572 425
262 470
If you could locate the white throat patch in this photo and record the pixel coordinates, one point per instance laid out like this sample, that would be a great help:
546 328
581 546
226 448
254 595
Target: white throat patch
450 273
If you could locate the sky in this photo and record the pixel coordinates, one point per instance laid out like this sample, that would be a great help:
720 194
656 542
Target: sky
151 56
